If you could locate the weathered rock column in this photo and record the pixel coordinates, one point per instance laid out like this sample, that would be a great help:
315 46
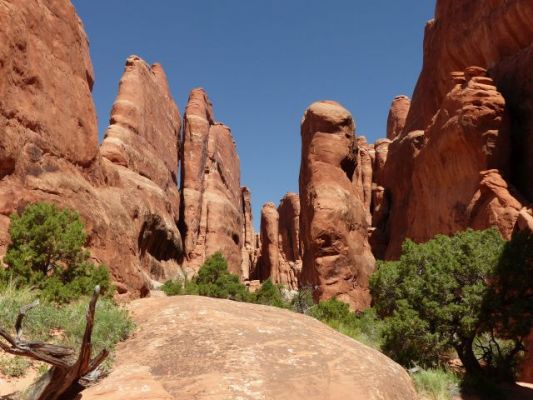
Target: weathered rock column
337 257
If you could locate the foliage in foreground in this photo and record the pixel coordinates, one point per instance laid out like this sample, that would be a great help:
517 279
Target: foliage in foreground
364 327
436 384
61 324
213 280
452 293
46 252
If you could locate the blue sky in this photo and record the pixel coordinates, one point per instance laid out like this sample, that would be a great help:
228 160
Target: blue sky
262 63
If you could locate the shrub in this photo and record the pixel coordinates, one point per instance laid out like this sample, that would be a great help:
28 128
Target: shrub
46 252
303 301
213 280
436 384
13 366
64 324
437 297
271 295
364 327
173 287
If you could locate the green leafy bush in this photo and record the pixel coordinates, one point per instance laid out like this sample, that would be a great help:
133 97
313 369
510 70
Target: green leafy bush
213 280
173 287
46 252
364 327
271 295
443 294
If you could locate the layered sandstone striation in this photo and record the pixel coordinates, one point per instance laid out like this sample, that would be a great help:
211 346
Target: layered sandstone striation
220 349
337 260
212 214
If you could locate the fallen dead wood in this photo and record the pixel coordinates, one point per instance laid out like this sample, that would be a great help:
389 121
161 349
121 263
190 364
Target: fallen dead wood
69 372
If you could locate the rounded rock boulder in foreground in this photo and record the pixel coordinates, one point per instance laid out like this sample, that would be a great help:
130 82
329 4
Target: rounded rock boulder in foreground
189 347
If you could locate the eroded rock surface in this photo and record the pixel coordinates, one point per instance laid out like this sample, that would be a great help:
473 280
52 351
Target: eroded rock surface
196 347
333 227
468 136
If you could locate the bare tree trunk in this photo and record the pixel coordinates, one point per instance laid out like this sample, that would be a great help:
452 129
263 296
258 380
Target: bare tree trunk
67 369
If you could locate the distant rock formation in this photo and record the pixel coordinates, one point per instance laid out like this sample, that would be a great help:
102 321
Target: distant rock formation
281 253
249 248
254 352
362 177
213 217
397 116
337 260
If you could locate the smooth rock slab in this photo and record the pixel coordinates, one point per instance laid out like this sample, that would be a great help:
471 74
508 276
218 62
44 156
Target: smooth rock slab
202 348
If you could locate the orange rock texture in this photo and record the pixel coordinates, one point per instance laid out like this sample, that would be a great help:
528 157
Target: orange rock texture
190 347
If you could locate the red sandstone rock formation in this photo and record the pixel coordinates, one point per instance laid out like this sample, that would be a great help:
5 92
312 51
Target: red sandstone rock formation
468 135
381 149
465 33
281 252
362 177
289 241
514 79
49 149
464 157
268 262
337 258
249 249
212 216
397 116
143 135
142 144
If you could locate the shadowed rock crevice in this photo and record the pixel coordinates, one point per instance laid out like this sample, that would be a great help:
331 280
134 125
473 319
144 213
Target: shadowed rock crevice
348 165
159 240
